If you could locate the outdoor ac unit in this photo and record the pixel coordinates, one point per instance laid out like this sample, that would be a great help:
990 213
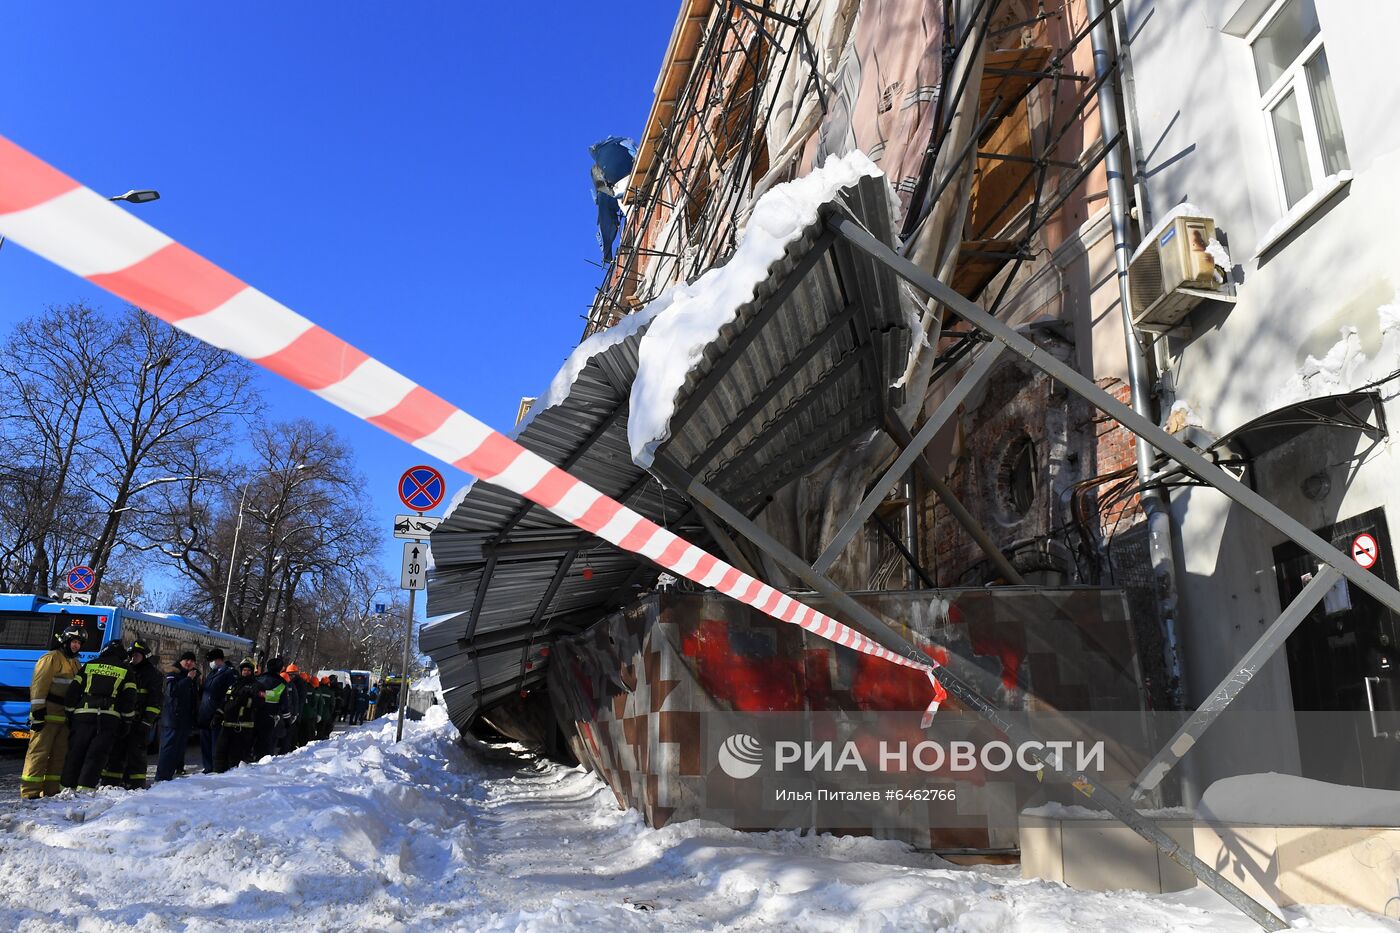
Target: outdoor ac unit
1172 273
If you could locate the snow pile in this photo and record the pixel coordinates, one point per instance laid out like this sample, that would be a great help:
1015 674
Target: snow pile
1181 416
1071 811
361 834
429 683
1285 800
1305 206
696 311
351 830
1219 255
1345 366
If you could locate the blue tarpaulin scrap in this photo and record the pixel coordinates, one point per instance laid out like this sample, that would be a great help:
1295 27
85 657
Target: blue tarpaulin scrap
612 162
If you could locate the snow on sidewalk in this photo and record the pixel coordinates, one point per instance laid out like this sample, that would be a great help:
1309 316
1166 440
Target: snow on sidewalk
357 833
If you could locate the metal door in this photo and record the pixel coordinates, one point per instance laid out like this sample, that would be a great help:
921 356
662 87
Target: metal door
1342 662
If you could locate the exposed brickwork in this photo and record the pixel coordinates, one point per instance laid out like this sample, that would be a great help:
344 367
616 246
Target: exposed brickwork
1021 405
1115 449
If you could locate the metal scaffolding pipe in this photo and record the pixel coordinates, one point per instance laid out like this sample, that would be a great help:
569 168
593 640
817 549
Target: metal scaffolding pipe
1154 499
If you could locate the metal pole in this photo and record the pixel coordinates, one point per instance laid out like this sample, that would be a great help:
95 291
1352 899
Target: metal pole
951 676
896 429
407 650
1154 499
1199 466
945 410
233 554
1238 678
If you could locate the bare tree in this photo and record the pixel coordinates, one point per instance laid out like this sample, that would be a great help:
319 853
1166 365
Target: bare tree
54 366
305 528
159 415
190 529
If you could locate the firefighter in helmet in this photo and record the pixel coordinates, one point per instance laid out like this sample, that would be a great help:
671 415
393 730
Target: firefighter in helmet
126 763
48 715
102 699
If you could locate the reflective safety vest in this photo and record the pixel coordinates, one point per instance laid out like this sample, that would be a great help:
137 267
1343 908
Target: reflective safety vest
238 709
104 688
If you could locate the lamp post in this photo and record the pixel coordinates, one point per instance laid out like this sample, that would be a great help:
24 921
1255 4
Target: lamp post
238 528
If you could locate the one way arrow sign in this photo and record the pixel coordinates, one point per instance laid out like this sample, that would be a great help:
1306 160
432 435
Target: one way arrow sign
415 560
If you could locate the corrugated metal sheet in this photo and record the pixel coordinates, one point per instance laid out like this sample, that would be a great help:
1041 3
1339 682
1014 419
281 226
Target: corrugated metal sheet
821 397
483 661
822 338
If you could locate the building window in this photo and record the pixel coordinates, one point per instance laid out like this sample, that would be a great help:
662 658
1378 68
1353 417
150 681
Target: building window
1016 478
1300 107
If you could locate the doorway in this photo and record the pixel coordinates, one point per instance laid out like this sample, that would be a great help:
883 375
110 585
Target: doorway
1342 663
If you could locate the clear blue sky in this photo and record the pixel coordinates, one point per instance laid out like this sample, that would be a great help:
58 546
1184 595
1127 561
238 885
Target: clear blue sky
413 176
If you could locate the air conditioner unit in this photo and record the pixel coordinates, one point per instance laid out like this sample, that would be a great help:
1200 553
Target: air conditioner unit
1172 273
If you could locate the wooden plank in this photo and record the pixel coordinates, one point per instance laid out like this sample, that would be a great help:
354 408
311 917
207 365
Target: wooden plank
1011 88
973 273
996 179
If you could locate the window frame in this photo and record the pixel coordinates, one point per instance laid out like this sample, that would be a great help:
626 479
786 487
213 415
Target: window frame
1293 79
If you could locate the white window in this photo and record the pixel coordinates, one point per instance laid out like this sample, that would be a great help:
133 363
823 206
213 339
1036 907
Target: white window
1300 108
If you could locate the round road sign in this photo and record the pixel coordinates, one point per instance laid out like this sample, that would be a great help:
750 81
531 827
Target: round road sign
1365 551
80 579
421 488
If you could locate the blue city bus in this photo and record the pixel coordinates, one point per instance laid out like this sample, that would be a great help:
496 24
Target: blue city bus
28 625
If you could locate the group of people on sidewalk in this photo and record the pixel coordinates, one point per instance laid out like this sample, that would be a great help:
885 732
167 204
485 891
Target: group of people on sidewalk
93 723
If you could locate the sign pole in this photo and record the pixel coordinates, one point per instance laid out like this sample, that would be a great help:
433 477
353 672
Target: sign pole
420 488
407 650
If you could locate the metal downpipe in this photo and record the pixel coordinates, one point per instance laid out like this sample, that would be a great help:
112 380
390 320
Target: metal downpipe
1154 500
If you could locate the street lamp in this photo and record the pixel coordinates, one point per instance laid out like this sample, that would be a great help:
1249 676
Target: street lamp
134 196
238 528
137 196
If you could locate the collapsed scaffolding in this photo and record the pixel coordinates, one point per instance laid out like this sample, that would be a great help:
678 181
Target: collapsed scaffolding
704 159
706 147
838 232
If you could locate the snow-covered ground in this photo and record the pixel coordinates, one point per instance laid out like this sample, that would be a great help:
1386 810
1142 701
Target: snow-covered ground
357 833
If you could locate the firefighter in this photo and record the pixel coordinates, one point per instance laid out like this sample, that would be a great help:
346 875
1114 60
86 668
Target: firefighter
48 715
101 699
270 713
127 763
235 721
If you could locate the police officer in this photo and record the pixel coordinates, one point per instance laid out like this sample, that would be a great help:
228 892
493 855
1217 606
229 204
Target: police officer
270 713
127 763
101 699
48 715
216 686
177 718
235 719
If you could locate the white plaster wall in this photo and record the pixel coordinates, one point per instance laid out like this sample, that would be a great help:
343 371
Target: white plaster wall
1203 134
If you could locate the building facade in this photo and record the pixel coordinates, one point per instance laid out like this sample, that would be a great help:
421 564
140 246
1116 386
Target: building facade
1263 116
985 119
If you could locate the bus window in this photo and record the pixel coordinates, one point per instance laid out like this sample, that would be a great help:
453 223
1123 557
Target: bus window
31 631
37 631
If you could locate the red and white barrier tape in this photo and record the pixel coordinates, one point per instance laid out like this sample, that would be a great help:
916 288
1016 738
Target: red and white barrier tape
52 215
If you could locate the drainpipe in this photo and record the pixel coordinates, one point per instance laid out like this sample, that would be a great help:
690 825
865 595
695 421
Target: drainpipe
1154 500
